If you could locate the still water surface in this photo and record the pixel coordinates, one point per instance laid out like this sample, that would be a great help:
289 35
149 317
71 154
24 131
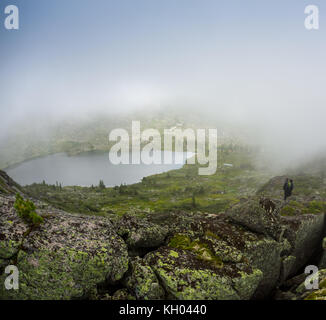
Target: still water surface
87 169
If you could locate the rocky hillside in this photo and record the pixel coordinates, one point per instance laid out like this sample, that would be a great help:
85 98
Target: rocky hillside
7 185
246 252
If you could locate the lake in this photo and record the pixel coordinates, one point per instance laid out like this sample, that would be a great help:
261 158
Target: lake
87 169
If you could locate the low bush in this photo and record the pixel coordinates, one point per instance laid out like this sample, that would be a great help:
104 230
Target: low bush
27 211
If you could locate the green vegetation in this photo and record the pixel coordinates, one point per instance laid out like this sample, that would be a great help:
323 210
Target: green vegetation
297 208
307 185
27 210
185 190
315 207
175 190
180 241
101 185
202 250
292 209
288 211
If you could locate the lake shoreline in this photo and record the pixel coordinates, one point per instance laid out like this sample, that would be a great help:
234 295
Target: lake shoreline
88 168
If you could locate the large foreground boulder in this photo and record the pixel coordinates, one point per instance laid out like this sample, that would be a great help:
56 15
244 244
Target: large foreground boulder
211 259
322 261
140 234
185 276
296 237
65 257
305 233
142 281
252 215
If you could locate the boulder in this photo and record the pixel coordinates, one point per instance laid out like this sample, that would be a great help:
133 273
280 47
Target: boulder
251 214
142 281
140 234
212 248
66 257
7 185
187 276
265 255
295 288
305 233
322 262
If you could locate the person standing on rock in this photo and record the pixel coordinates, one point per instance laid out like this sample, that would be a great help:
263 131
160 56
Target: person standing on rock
288 187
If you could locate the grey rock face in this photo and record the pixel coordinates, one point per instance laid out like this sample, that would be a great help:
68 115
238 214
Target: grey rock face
252 216
63 258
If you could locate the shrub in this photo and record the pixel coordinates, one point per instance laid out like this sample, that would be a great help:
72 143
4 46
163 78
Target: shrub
27 211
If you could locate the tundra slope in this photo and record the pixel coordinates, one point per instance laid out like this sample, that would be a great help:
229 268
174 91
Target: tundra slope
242 253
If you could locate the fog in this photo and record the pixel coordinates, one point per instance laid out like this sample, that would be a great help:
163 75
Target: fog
255 68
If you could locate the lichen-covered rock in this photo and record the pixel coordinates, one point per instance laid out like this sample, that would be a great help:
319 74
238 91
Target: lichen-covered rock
322 262
251 215
297 287
183 279
320 293
288 263
234 244
7 185
142 281
243 254
140 233
185 275
265 255
64 258
122 294
12 229
247 284
305 233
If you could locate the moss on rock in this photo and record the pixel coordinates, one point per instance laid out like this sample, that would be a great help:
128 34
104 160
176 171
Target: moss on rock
184 276
64 258
202 251
142 281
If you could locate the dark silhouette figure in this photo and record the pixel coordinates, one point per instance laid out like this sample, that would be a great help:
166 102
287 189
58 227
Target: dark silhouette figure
288 187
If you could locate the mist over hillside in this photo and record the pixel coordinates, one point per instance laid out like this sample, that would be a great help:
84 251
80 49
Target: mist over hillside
258 77
233 213
284 141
